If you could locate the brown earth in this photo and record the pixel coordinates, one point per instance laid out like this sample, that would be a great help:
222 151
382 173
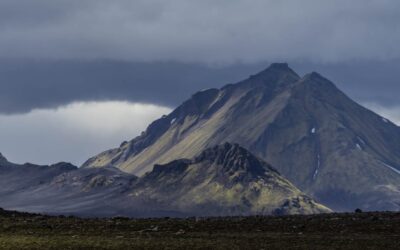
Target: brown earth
373 230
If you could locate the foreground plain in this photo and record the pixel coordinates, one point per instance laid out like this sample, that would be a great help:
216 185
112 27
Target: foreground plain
328 231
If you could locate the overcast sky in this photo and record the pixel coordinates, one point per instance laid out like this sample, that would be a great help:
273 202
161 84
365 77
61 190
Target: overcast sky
216 31
125 62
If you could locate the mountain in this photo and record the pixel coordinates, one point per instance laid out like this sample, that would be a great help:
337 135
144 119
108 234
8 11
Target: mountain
333 149
221 181
61 189
224 180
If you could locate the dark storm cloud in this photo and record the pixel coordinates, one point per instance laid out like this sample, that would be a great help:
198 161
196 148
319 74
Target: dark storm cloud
201 31
28 85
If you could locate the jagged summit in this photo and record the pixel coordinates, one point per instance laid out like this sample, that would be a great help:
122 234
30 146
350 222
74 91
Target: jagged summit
227 158
278 68
233 158
275 75
317 78
314 76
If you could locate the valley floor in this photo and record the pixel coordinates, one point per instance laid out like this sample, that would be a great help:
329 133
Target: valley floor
328 231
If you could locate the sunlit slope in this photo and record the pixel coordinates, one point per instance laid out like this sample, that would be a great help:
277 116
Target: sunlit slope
193 126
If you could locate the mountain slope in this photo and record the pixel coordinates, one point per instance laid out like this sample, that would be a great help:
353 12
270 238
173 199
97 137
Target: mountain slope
14 177
192 127
326 144
221 181
62 189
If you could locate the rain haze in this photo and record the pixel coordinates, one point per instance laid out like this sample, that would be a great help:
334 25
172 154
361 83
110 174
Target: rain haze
79 77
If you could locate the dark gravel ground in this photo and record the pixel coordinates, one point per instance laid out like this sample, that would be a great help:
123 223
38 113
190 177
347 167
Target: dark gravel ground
373 230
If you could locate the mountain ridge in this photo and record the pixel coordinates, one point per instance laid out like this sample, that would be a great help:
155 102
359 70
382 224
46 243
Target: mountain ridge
221 181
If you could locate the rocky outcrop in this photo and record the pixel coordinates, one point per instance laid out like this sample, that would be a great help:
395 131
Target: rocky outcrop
224 180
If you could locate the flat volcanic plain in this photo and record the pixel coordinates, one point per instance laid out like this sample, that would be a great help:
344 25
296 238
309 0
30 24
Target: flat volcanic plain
371 230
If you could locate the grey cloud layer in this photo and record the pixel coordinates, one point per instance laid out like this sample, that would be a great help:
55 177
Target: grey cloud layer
203 31
27 85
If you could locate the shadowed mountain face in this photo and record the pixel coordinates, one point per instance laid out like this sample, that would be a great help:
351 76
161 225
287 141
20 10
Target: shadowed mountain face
335 150
224 180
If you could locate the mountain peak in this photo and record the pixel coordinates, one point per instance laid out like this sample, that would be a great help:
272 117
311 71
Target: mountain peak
315 76
320 82
277 73
279 66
